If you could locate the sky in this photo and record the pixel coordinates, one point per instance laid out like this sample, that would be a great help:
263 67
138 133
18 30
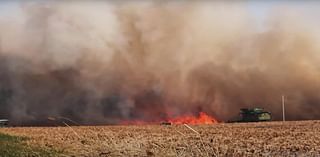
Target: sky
259 10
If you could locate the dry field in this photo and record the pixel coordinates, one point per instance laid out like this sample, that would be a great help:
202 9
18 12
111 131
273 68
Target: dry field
251 139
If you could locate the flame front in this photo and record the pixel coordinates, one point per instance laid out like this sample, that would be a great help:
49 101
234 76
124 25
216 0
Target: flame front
203 118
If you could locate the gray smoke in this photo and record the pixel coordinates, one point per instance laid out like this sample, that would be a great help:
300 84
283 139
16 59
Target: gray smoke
105 62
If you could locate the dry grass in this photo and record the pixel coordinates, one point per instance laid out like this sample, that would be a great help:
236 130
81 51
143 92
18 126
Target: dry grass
254 139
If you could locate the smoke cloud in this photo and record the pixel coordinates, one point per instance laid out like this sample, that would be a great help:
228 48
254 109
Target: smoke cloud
104 62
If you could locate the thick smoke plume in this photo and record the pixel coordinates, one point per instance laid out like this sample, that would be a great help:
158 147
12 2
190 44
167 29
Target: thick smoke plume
104 62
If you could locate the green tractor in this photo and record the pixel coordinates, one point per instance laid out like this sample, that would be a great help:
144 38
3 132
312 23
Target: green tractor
4 122
253 115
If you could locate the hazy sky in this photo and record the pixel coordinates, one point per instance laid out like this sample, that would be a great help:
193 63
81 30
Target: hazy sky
258 9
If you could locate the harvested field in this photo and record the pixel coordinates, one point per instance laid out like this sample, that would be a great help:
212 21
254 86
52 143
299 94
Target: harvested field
238 139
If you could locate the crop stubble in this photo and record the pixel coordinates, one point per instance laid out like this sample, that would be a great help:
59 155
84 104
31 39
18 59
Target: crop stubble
239 139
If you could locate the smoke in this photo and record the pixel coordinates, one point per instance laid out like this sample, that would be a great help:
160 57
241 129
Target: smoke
104 62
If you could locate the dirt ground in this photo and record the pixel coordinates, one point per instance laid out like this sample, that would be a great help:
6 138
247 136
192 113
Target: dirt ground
238 139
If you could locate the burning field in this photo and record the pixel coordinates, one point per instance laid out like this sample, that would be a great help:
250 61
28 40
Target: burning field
202 118
238 139
108 62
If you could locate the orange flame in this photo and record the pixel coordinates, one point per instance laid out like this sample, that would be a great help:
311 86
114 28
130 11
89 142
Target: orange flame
203 118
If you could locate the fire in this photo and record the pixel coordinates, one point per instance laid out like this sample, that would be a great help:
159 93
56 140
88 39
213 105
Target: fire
203 118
